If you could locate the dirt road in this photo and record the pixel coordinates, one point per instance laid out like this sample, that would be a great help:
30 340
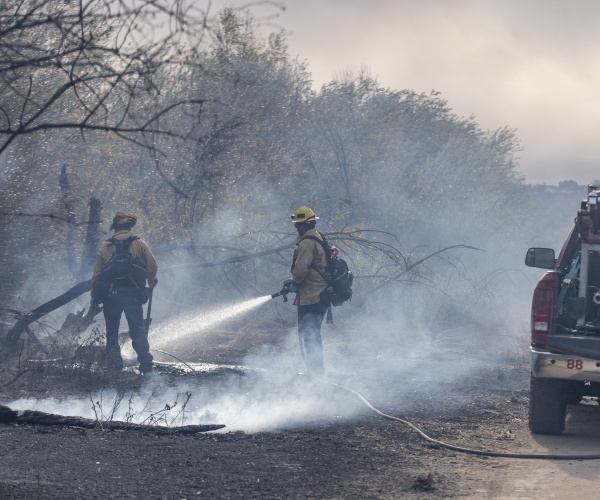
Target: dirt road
556 479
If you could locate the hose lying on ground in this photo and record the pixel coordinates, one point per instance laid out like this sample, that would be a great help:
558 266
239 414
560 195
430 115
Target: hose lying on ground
460 448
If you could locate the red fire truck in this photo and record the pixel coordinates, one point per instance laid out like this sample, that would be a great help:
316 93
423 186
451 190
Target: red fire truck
565 322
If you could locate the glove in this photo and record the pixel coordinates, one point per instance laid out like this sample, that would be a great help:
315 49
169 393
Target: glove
290 286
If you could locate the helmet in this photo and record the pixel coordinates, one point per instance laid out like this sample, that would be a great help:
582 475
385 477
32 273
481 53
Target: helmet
123 218
303 214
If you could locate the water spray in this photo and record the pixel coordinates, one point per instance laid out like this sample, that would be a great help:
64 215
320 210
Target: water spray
183 328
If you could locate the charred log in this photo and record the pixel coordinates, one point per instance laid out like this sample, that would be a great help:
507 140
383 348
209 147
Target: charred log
32 417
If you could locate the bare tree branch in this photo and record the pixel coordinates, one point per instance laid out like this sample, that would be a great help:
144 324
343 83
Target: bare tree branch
50 216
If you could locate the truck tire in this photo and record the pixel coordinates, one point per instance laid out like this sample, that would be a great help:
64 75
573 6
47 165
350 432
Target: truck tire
547 405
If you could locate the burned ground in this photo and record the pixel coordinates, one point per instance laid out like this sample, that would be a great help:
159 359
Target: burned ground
328 455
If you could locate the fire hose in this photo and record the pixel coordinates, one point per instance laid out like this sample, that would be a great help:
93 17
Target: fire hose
461 449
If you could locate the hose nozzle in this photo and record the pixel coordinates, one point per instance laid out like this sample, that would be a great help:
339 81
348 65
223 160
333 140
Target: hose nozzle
284 291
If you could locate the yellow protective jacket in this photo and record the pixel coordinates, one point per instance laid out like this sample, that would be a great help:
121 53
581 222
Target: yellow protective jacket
311 283
138 248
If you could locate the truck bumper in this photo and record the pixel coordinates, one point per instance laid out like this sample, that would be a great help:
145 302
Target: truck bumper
546 364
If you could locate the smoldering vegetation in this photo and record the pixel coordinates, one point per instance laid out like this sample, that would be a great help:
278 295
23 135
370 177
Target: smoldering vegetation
429 210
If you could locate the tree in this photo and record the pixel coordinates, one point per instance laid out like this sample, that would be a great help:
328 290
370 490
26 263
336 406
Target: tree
221 140
75 71
406 161
84 65
246 140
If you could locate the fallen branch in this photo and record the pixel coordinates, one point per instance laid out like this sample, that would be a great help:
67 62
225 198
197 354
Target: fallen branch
32 417
15 332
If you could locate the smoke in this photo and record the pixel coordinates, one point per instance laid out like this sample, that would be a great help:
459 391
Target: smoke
398 346
395 346
274 393
270 395
395 341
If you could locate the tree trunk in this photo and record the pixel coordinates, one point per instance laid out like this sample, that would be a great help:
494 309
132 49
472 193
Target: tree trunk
92 237
68 202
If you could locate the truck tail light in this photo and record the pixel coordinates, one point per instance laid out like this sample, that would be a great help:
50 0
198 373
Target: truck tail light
543 310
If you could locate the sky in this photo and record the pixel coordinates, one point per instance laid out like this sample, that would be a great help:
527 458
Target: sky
530 65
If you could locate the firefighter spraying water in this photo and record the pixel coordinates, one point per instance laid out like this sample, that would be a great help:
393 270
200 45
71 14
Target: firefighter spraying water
319 279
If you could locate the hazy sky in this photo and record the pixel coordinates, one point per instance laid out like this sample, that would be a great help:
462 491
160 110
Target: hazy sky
531 65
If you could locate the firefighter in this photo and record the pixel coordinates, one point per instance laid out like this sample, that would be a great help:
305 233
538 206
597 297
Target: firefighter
310 288
125 297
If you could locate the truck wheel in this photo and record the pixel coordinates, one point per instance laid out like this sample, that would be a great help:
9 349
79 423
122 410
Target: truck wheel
547 405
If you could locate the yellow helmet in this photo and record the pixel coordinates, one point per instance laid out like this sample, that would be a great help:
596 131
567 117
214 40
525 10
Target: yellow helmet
303 214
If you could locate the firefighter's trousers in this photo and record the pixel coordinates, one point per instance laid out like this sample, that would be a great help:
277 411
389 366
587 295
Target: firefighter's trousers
126 300
310 319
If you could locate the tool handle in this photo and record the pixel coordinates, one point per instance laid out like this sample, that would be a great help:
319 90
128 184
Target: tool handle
148 318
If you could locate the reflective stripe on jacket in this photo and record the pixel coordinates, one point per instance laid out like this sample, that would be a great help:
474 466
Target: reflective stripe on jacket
138 248
310 282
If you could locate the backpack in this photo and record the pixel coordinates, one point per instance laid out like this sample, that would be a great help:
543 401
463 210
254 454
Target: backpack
338 277
123 270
